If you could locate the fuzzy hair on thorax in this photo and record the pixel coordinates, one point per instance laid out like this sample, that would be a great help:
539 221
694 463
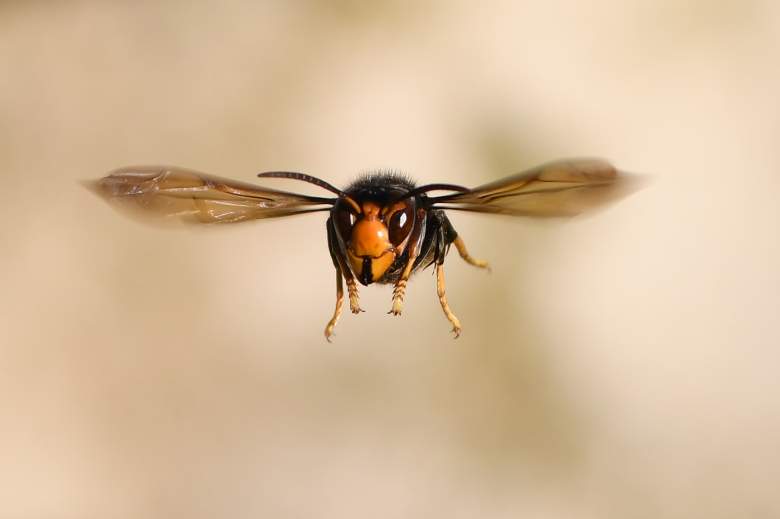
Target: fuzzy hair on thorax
380 186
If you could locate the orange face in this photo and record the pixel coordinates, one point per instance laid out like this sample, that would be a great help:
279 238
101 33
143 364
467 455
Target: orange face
377 237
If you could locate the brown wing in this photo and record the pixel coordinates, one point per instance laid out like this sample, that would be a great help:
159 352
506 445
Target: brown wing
562 188
191 196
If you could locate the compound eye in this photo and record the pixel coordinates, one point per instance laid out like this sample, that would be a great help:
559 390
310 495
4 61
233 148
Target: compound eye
345 219
400 224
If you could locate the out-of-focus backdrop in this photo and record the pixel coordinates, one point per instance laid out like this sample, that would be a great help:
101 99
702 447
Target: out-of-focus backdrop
619 365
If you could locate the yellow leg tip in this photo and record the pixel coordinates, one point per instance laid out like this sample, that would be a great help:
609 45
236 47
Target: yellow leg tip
354 305
461 246
483 265
329 331
397 308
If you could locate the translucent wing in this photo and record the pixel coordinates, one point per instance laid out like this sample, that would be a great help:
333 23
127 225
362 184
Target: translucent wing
191 196
562 188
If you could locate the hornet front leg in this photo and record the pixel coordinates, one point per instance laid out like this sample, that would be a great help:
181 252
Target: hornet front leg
399 290
354 298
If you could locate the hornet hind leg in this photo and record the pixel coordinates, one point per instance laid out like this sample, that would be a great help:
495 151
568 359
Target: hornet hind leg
446 236
341 270
339 303
440 290
461 246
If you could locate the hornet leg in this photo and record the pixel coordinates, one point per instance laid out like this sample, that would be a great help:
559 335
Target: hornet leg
354 299
399 291
451 236
342 269
339 304
461 246
440 289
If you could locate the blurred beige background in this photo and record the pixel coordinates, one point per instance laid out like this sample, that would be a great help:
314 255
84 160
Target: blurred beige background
621 365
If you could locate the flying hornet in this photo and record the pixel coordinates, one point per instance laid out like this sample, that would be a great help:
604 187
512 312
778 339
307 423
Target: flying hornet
381 228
